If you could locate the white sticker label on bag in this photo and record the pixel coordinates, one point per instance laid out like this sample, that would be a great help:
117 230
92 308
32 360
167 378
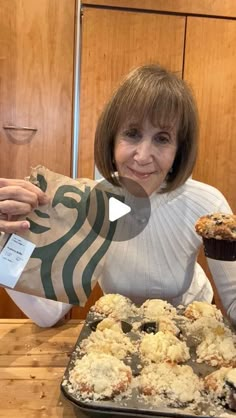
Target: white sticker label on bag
13 259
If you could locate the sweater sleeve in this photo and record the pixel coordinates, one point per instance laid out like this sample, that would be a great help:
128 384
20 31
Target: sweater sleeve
224 275
44 312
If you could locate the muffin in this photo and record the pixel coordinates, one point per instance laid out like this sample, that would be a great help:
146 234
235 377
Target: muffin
166 324
197 310
114 305
221 386
153 309
218 231
217 349
99 376
108 341
163 347
171 382
109 323
201 327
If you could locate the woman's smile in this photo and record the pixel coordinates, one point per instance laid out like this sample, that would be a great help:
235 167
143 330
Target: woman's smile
140 174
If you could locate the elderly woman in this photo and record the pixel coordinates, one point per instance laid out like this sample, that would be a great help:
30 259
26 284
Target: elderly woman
147 133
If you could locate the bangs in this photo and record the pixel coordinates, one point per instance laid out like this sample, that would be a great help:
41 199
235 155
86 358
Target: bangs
162 104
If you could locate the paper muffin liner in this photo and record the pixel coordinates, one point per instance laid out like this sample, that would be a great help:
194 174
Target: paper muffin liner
220 249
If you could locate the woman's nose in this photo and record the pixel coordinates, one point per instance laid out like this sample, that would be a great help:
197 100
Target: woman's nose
143 152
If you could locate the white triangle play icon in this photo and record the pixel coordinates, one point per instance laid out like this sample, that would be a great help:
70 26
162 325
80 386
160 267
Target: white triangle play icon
117 209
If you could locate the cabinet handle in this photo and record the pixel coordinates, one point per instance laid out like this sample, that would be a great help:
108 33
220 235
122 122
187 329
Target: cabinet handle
22 128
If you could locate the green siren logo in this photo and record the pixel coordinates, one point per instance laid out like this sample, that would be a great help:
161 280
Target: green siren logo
48 253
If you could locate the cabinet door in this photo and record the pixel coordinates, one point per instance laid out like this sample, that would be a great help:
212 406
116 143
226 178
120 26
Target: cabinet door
210 62
36 86
112 43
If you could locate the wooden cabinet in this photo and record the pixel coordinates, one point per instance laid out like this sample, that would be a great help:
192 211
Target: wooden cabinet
36 90
209 67
113 42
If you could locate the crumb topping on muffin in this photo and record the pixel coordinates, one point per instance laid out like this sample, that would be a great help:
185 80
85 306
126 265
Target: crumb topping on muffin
218 225
108 341
221 387
201 327
172 381
214 381
164 347
166 324
197 309
110 323
153 309
100 376
115 305
217 350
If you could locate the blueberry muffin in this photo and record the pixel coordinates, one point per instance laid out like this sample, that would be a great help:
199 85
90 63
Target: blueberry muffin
218 231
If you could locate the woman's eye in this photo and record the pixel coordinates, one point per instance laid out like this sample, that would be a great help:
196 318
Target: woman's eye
132 133
162 139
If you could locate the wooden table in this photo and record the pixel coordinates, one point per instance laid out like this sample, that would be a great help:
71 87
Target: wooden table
32 363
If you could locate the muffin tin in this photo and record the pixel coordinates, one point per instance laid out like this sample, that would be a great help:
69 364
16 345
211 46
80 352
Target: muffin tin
134 405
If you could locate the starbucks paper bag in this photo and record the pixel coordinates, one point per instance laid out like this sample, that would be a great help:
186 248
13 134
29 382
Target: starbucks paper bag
69 253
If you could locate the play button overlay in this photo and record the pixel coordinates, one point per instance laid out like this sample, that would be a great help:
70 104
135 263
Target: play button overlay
117 209
118 213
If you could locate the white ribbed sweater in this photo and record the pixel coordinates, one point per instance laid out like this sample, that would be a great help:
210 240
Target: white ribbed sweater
160 261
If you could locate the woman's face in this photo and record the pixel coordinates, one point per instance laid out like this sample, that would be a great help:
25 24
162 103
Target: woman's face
145 153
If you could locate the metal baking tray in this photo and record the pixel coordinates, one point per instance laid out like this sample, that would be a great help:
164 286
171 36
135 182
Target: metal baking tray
132 406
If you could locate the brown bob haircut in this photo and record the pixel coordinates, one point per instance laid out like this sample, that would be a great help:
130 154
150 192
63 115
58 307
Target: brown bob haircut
150 92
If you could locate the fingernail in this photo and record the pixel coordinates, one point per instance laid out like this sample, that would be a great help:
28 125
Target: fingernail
25 225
